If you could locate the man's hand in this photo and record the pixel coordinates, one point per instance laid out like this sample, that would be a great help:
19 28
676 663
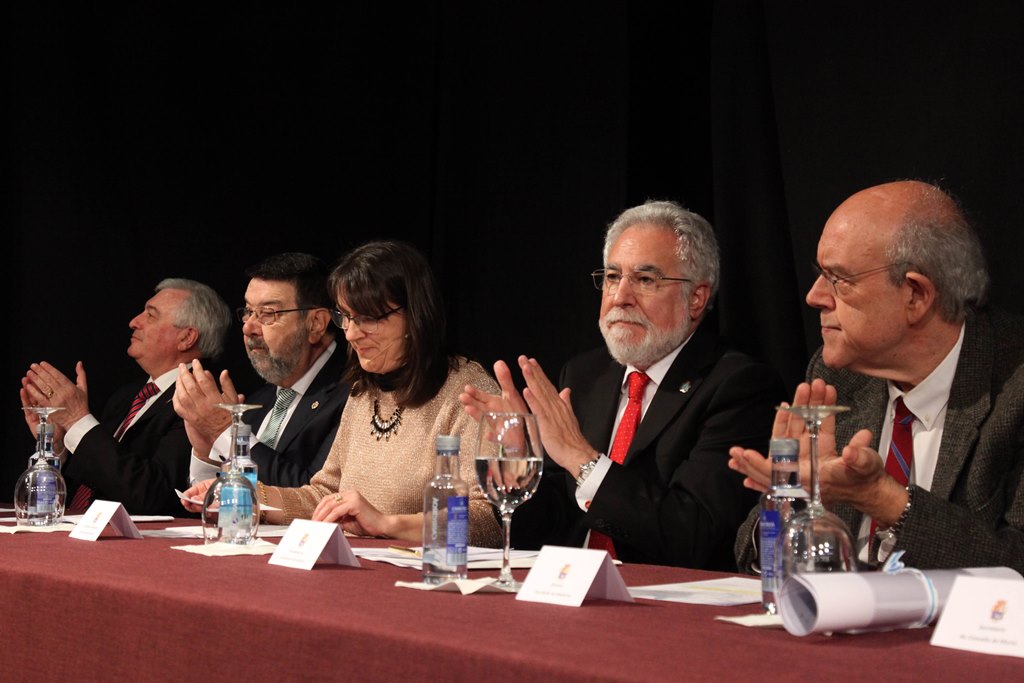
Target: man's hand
559 428
859 478
477 402
757 468
196 396
45 385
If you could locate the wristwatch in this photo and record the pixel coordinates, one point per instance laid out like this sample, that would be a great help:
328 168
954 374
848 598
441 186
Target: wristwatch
585 470
887 537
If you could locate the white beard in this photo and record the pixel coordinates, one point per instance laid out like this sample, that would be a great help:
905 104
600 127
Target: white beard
655 344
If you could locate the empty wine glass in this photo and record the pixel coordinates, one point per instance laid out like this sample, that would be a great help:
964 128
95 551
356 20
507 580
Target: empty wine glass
231 511
40 493
509 464
815 540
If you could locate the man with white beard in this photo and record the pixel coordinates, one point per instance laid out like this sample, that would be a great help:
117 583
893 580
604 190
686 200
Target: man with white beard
638 437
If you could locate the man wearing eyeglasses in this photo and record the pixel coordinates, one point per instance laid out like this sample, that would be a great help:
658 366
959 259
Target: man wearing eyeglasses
932 448
137 452
286 326
639 434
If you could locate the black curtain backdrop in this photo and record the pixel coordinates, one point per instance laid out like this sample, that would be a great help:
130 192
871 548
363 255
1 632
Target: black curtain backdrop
151 140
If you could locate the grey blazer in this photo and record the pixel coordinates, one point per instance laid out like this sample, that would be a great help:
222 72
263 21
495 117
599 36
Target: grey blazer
974 513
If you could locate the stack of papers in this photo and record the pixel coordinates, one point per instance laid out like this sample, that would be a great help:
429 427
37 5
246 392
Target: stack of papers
479 558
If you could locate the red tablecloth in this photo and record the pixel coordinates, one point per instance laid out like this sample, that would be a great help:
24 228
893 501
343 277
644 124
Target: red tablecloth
137 610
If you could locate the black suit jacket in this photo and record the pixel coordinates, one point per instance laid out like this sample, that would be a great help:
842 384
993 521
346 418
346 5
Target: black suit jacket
141 470
307 438
673 500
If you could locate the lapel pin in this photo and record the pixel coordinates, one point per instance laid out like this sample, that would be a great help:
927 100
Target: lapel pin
685 388
316 404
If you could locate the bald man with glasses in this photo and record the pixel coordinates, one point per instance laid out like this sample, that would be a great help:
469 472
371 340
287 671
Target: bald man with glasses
929 458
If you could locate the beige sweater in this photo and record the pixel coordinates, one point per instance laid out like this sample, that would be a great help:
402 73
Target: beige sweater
392 473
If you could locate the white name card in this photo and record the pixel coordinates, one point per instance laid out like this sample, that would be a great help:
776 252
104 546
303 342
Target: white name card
100 514
568 576
983 615
307 541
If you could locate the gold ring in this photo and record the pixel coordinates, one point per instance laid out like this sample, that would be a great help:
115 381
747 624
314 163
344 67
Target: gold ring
337 497
49 392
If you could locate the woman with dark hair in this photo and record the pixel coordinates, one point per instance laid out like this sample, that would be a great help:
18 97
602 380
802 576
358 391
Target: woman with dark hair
405 392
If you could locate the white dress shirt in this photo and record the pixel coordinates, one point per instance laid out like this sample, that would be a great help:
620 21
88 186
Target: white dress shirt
928 402
200 470
586 492
77 431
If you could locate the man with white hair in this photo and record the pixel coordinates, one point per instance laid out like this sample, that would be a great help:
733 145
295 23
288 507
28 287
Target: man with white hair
638 436
137 452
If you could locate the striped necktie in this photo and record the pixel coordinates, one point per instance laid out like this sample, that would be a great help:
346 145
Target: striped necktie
283 401
901 449
84 494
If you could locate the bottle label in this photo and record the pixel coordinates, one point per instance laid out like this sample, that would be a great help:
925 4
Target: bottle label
43 496
235 508
458 531
770 527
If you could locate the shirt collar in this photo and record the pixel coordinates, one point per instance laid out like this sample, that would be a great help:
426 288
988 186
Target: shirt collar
927 399
301 385
167 379
657 371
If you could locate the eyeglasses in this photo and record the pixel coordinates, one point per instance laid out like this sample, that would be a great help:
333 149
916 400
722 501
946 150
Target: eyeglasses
264 315
368 324
643 283
834 279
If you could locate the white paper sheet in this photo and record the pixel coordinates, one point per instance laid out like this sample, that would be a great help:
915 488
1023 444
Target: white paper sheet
265 531
754 620
722 592
63 526
227 550
478 558
463 586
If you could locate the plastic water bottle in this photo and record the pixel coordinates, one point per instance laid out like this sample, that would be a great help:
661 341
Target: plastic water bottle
231 512
39 494
784 498
243 458
445 517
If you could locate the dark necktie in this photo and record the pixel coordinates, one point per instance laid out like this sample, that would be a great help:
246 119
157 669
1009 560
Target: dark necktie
620 445
83 496
901 449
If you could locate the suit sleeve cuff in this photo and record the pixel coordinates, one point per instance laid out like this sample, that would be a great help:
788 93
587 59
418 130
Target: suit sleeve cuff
586 492
77 432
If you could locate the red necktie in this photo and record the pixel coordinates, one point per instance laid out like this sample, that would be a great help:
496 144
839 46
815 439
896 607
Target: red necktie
901 449
620 445
83 496
147 392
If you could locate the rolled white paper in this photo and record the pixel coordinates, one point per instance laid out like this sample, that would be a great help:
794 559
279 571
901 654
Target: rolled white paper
869 601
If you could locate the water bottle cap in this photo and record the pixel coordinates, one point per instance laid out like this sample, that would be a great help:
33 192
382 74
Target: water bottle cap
447 443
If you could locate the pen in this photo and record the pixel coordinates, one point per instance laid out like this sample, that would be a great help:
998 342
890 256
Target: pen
405 551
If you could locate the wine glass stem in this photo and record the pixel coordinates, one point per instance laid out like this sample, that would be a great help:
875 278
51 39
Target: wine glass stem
506 562
41 435
815 483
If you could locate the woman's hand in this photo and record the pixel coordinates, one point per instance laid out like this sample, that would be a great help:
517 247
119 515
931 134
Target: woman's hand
354 514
